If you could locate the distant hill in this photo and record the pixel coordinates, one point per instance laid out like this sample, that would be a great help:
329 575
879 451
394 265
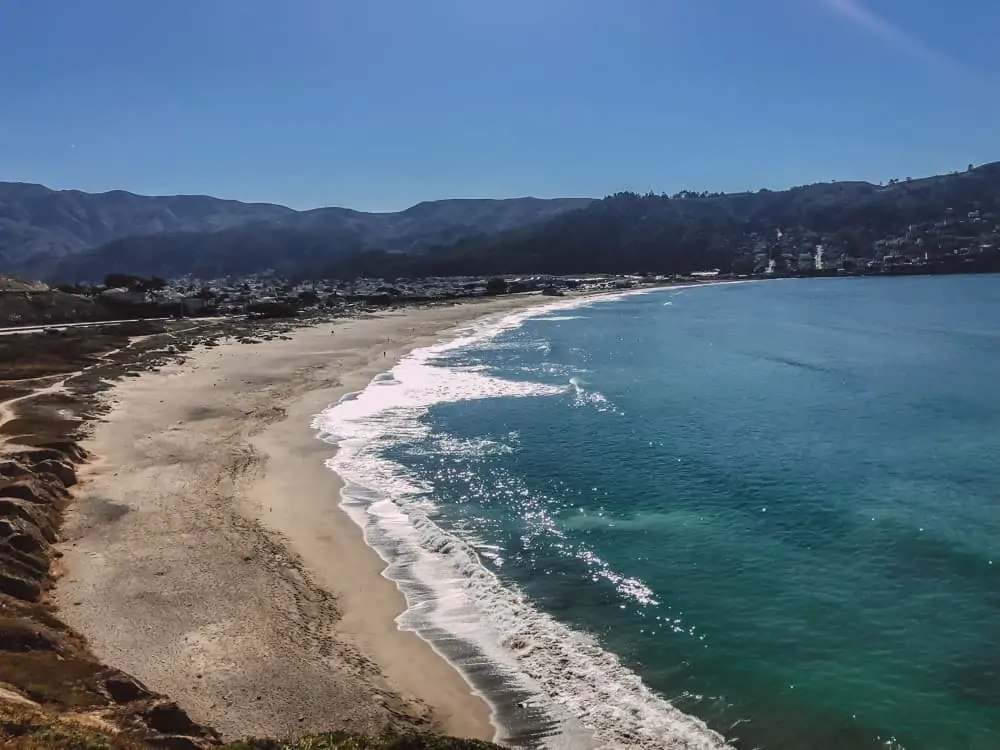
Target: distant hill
39 226
42 228
238 251
687 232
621 233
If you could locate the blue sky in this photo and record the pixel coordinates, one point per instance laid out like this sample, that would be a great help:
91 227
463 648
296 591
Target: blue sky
379 104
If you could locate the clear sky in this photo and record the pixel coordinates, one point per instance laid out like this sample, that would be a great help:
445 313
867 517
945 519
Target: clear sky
379 104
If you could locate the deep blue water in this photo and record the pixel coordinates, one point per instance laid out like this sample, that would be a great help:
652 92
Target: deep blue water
776 503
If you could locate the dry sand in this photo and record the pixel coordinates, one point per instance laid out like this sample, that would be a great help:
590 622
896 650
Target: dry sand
206 553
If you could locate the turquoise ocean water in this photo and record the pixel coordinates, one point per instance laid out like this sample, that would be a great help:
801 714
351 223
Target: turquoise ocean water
768 512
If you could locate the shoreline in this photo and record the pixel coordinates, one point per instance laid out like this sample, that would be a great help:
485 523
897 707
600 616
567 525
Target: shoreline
210 490
513 653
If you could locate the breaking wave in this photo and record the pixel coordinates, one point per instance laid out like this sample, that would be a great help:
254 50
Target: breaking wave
549 686
583 396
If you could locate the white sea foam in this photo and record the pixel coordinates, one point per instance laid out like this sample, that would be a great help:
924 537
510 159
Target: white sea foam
452 597
584 396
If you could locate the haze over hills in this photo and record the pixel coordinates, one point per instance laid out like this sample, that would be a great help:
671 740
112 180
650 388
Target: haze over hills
40 227
622 233
626 233
58 235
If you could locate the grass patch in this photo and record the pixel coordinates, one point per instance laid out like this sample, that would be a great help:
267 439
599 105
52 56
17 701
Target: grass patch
23 728
51 679
346 741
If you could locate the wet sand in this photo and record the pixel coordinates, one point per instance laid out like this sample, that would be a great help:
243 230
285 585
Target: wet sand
207 555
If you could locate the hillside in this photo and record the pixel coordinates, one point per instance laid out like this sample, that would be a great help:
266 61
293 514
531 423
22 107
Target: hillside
622 233
687 232
10 284
38 226
25 303
41 228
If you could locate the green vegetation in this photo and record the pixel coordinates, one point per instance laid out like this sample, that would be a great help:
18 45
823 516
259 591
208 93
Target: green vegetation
27 728
40 228
344 741
624 233
628 233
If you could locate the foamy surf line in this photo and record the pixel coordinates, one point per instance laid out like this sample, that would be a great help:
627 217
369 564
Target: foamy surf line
548 685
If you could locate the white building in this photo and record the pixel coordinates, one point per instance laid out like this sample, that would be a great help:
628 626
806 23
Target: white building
825 260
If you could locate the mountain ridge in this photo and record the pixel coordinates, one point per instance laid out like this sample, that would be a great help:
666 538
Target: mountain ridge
624 232
687 232
41 227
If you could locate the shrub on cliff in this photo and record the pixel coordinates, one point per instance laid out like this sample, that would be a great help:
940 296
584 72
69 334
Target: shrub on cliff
28 728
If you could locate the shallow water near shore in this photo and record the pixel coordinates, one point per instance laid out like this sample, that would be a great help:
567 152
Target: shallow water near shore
764 510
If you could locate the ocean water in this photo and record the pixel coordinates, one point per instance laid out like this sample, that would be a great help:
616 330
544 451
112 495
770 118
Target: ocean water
764 515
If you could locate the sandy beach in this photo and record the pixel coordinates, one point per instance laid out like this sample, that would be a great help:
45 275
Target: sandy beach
206 553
